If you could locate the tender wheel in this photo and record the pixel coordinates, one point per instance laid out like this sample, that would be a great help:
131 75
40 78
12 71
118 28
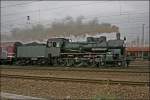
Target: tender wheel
119 63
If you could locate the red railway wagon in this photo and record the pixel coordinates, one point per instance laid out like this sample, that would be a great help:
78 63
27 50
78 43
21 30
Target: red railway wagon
139 52
7 52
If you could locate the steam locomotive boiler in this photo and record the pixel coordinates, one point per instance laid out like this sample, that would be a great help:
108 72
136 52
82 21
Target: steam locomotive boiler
93 52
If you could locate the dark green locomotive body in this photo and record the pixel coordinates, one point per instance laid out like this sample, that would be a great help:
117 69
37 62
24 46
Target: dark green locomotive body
94 51
60 51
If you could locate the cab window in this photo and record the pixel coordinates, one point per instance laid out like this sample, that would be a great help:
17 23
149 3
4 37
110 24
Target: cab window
49 44
54 44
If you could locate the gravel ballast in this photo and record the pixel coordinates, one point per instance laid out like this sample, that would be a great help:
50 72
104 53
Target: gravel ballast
73 90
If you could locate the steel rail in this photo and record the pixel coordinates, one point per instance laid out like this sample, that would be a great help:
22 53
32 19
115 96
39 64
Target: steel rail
76 80
77 69
80 70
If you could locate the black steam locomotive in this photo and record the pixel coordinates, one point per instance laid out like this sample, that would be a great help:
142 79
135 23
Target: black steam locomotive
60 51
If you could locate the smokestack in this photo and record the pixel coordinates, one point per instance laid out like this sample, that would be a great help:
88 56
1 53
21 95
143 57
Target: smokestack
118 36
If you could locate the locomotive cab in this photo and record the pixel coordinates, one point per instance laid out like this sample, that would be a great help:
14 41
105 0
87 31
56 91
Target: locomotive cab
56 42
53 44
54 49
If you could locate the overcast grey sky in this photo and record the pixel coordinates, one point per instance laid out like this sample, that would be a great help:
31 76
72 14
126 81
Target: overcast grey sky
127 15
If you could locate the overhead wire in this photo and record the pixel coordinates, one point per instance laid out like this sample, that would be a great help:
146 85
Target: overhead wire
124 22
99 17
115 15
20 4
96 16
90 3
44 10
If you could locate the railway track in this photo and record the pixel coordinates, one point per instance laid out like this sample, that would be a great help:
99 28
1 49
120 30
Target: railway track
121 70
75 80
